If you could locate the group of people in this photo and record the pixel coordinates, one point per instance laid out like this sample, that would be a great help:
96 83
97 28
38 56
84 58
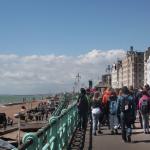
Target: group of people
116 108
39 113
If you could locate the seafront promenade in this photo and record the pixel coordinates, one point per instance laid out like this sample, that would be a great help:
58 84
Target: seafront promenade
85 140
63 129
106 141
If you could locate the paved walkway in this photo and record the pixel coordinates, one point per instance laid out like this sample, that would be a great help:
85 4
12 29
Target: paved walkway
105 141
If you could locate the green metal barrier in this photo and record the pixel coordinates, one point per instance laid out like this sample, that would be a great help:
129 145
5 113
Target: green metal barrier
65 101
56 135
63 104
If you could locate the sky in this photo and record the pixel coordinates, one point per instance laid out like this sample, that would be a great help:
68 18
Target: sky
45 43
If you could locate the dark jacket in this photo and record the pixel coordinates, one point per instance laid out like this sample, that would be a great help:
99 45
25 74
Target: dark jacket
96 104
82 104
131 112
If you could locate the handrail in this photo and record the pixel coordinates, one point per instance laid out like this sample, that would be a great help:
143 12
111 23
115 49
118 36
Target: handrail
65 100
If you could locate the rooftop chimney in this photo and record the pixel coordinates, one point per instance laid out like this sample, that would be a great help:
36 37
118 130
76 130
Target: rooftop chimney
131 48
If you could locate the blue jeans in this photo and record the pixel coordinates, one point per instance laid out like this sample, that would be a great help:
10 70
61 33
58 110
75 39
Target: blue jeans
145 118
113 121
125 126
95 119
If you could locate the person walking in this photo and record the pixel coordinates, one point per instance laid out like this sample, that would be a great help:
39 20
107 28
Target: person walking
144 107
96 111
105 102
113 119
133 93
138 96
126 108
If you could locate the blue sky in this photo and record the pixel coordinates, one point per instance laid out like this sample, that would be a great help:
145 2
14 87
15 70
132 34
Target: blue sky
72 27
44 44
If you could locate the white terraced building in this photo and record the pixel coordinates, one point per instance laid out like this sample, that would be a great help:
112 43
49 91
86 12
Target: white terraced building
148 71
146 57
129 71
114 76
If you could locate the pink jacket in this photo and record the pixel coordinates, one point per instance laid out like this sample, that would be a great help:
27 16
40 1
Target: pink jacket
144 97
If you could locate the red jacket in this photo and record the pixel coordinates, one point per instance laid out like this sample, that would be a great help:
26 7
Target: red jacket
106 96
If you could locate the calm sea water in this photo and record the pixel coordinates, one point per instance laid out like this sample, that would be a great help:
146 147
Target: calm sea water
5 99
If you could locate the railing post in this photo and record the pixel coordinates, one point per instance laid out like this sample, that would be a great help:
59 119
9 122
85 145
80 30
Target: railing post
64 126
41 139
53 133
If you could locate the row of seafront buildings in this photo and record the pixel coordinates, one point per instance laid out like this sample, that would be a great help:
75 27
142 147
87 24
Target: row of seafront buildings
133 70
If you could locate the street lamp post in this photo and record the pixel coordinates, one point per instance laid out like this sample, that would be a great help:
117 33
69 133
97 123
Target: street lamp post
78 77
18 134
19 130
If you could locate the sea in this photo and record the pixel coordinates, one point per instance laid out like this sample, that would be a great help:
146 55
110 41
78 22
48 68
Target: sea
7 99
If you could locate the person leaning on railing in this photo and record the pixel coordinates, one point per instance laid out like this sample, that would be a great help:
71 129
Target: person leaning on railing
83 108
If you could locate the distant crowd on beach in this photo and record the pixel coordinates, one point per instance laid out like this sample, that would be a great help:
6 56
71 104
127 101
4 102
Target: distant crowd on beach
41 112
118 109
38 113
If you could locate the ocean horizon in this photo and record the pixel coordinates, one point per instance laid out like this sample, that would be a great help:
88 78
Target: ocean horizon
6 99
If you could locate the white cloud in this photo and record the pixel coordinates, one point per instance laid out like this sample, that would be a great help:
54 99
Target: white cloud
45 73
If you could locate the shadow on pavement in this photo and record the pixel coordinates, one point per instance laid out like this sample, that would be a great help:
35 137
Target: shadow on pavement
90 136
137 132
77 141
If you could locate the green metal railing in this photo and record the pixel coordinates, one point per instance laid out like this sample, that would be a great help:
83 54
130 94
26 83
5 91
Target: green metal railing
56 135
62 105
65 101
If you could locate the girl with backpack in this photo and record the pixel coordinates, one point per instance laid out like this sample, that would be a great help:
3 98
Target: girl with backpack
113 120
144 107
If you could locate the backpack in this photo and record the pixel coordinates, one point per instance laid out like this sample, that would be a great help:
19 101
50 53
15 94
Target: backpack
144 107
113 107
125 105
